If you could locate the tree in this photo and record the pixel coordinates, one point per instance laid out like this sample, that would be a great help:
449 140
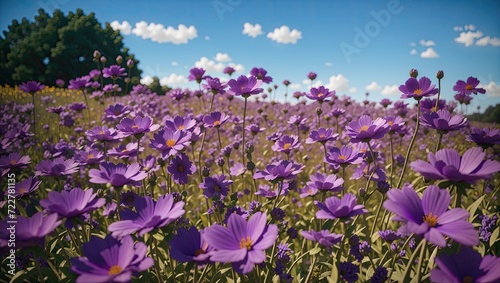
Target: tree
59 47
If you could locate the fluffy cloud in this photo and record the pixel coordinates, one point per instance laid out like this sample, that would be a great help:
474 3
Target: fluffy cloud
158 33
470 27
339 83
427 43
294 86
124 27
488 40
492 89
413 51
391 90
222 57
252 30
468 37
173 79
328 64
285 35
237 67
373 86
429 53
209 65
147 80
175 64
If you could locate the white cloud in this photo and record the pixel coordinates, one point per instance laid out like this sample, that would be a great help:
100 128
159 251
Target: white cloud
209 65
413 51
492 89
373 86
470 27
413 44
124 27
147 80
468 38
458 28
175 64
427 43
307 83
328 64
488 40
173 79
429 53
294 86
222 57
339 83
158 33
285 35
252 30
237 67
391 90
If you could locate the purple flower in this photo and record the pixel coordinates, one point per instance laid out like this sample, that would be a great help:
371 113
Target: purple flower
365 129
323 237
389 235
385 102
77 106
324 182
343 156
417 89
79 83
348 271
344 208
254 129
321 135
428 104
170 142
196 74
147 216
215 185
26 187
242 243
31 87
117 175
116 111
12 161
229 70
396 124
265 191
447 164
245 86
311 76
72 203
179 123
443 121
110 260
466 265
279 171
137 126
215 86
337 112
485 137
114 72
320 94
468 87
57 167
430 215
32 231
189 245
103 133
126 151
89 157
260 74
215 119
180 167
286 144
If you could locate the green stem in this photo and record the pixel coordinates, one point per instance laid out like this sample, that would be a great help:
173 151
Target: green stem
410 146
439 140
311 268
407 270
439 94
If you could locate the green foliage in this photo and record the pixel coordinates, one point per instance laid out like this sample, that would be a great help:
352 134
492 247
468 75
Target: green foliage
156 87
59 47
490 115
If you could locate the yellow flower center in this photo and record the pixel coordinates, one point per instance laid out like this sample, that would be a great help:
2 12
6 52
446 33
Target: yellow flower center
320 94
22 191
181 127
390 123
342 157
135 127
12 162
418 91
434 109
117 113
114 270
431 219
217 123
469 87
322 136
287 145
468 279
201 250
364 128
89 156
170 142
125 150
102 133
246 243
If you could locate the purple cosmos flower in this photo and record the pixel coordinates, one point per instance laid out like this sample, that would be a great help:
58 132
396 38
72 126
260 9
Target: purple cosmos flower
26 187
215 185
78 106
362 171
485 137
321 135
463 98
242 243
148 215
286 144
385 102
365 129
32 231
196 74
267 192
245 86
468 87
254 129
137 126
229 70
189 245
126 151
320 94
215 119
430 215
180 167
443 121
260 74
177 94
447 164
323 237
466 265
389 235
417 89
12 161
31 87
72 203
344 208
215 86
428 104
103 133
279 171
110 260
89 157
114 72
117 175
79 83
109 88
324 182
296 120
343 156
170 142
312 76
57 167
179 123
396 124
337 112
116 111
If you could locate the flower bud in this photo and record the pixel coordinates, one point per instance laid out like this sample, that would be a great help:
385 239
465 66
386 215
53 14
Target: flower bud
130 63
103 59
119 59
250 165
440 74
319 111
205 172
97 54
311 76
413 73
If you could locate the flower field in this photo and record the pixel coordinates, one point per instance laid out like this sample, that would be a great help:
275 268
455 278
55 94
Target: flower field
224 184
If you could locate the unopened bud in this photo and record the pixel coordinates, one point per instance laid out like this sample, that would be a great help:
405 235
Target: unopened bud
440 74
413 73
119 59
130 63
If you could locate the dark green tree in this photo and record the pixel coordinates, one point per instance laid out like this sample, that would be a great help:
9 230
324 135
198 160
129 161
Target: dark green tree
59 47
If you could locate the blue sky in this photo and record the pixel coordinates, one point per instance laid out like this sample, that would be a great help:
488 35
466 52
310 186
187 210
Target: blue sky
353 46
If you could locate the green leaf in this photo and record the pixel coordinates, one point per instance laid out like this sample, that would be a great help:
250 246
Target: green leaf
334 275
494 236
315 250
473 208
